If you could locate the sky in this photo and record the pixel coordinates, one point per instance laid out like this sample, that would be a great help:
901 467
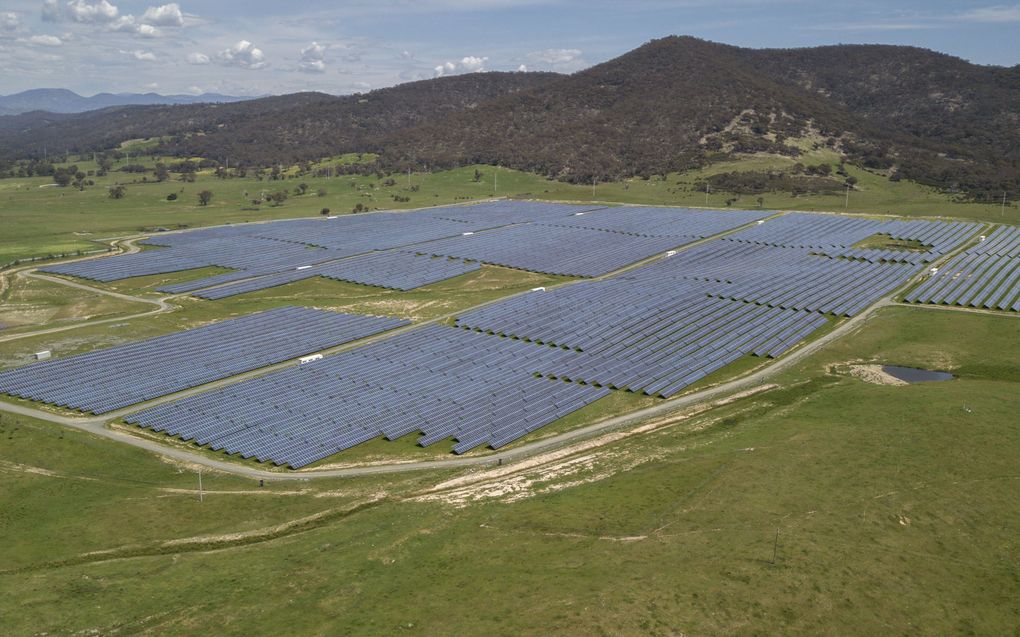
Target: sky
259 47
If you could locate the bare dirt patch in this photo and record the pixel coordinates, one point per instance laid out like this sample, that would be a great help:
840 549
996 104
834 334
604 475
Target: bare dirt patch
874 374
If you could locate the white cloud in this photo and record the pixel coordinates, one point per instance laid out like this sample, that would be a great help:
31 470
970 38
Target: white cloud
198 58
522 68
152 86
129 24
555 56
9 21
467 64
50 11
243 54
197 90
473 64
563 60
167 15
44 40
998 13
141 56
82 11
313 58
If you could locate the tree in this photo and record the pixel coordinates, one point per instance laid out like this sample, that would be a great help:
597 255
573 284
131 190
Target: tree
188 177
359 207
478 175
117 191
278 197
172 197
205 197
61 177
161 173
302 188
105 164
324 212
321 192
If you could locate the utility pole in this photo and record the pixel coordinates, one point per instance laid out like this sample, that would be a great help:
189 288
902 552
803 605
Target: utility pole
593 180
708 189
200 495
409 177
775 547
1003 203
846 204
495 180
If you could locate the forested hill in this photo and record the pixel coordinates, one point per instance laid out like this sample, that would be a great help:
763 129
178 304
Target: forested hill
673 103
680 101
280 129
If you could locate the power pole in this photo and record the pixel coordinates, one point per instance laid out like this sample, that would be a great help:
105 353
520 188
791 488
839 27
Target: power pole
1003 203
708 189
495 180
200 495
775 547
846 204
593 180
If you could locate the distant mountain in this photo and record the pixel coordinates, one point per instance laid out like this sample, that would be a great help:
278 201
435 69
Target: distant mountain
285 128
671 104
61 100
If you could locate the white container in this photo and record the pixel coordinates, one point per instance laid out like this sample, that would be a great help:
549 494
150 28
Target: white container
43 355
310 358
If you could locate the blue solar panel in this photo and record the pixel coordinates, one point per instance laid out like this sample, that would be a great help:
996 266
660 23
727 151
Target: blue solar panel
108 379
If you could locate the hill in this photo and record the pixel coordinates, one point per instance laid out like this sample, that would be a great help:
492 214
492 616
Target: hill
60 100
279 129
672 104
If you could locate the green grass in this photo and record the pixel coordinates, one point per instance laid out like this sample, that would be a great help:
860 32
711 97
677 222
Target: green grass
885 242
34 303
874 194
895 510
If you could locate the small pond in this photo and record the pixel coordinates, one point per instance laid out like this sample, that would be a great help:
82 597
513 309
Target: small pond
914 375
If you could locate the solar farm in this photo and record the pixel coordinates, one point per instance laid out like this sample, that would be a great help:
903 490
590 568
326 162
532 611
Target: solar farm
660 300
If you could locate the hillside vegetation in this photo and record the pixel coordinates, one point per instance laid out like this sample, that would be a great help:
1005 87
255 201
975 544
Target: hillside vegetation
672 104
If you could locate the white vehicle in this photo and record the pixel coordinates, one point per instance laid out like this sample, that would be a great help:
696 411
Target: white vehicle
309 359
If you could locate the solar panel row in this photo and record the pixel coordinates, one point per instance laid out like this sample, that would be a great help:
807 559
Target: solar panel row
395 270
986 275
835 236
437 380
781 276
108 379
581 240
656 339
659 222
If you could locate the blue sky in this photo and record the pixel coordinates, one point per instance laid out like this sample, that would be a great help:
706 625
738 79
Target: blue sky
343 46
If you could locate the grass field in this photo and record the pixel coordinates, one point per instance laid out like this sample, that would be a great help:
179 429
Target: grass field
41 220
894 510
33 303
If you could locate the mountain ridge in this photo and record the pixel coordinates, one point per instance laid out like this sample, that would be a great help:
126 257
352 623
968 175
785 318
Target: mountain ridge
62 100
671 104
